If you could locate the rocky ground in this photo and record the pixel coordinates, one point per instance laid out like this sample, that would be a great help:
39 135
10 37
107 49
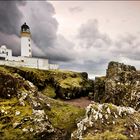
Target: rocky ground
63 105
115 112
26 109
108 122
81 102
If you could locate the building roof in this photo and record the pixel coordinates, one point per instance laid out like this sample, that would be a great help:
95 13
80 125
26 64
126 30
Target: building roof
3 47
25 27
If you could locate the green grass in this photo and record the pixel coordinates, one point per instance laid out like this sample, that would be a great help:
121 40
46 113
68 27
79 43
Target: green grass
64 116
107 135
71 82
61 115
11 106
49 91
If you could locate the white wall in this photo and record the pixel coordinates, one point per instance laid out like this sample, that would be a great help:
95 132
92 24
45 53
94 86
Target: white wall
4 52
26 46
9 52
11 63
30 63
53 66
13 58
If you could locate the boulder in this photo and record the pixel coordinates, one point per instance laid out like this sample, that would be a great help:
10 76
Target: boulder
8 86
108 121
120 86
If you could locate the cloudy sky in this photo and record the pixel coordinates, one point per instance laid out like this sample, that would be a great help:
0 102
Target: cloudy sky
78 35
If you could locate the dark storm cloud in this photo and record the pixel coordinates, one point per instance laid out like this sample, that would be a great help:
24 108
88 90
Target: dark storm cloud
39 16
63 50
44 26
91 53
98 49
11 41
90 35
10 21
128 46
10 17
94 44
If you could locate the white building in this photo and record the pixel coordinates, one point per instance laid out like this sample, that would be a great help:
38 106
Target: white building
4 52
26 59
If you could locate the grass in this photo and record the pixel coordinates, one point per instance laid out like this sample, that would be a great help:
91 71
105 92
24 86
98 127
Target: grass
49 91
6 126
107 135
64 116
61 115
3 69
71 82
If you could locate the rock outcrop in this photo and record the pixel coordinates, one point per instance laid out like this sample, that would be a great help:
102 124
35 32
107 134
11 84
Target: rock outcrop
121 86
27 113
30 106
108 121
63 84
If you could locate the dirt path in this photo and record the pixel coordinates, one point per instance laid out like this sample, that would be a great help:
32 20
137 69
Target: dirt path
80 102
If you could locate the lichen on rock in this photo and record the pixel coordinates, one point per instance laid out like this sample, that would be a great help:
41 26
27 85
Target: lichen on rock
28 113
102 117
120 86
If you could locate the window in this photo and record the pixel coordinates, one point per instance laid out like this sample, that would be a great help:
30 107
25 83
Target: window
29 45
29 39
29 50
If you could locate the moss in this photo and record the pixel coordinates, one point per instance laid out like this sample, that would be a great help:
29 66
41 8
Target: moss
4 70
16 134
7 119
112 108
107 135
49 91
64 116
118 128
64 82
71 82
7 102
61 115
99 89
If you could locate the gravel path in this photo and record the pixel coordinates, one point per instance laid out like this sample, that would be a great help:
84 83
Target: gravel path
80 102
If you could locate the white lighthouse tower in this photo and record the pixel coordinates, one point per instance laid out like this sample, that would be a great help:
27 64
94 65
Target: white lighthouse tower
25 41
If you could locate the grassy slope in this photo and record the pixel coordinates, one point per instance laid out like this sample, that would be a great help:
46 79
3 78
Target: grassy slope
66 79
50 79
61 115
64 116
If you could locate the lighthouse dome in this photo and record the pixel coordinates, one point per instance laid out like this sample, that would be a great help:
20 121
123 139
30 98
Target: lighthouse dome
25 28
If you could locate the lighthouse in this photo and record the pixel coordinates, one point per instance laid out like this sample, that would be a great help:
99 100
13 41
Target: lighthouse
25 41
26 59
